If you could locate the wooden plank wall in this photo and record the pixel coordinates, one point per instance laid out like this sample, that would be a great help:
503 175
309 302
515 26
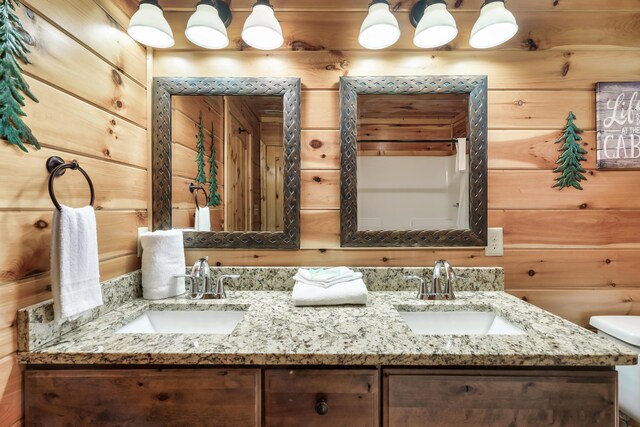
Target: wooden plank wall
185 118
91 79
575 253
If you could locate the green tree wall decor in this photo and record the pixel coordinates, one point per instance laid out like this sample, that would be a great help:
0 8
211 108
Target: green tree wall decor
201 177
12 84
214 195
570 170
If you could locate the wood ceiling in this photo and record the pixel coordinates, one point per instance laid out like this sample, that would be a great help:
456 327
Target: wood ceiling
265 106
411 125
459 5
442 107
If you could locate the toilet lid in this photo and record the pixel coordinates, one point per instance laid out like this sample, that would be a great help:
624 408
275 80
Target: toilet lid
625 328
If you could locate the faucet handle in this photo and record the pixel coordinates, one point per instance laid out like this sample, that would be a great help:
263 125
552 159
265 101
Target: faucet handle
422 290
191 289
220 290
451 277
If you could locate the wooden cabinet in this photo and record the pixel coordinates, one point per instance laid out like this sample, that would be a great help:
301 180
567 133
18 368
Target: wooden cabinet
312 397
522 398
321 397
143 397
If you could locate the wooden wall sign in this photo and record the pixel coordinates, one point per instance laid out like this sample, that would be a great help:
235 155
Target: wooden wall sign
618 125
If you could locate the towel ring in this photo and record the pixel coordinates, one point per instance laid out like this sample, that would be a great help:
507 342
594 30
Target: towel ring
56 167
193 188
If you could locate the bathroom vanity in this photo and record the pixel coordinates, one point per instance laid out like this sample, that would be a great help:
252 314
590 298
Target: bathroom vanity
284 365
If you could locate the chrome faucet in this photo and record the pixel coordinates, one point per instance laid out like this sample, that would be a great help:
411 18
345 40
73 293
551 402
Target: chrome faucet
200 279
442 272
201 283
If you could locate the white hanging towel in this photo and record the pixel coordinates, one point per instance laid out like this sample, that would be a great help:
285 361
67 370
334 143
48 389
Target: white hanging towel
162 260
354 292
203 219
75 272
462 220
461 156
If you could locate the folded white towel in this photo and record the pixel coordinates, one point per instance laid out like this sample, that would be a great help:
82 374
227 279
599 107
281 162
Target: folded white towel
162 261
75 273
203 219
354 292
326 277
322 274
349 278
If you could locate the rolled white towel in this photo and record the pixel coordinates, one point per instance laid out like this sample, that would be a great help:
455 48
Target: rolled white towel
326 277
354 292
162 260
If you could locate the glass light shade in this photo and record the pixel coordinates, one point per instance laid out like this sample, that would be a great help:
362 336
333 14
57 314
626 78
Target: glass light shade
261 29
206 29
436 28
380 28
495 26
148 26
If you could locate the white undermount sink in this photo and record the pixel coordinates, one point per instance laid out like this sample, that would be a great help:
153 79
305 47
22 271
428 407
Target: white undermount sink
183 322
458 323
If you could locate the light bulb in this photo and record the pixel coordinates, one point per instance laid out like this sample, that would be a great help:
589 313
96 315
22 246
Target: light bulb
261 29
495 25
380 28
205 27
148 26
436 28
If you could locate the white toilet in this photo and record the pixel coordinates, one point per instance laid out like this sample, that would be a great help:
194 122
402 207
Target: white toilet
624 330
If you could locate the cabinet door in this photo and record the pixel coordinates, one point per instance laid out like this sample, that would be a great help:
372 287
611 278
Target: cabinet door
143 397
499 398
299 397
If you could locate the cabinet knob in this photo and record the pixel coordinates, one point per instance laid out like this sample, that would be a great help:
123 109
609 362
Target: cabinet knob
322 408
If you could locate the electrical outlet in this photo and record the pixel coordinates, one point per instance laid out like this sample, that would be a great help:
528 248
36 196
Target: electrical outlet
495 246
141 231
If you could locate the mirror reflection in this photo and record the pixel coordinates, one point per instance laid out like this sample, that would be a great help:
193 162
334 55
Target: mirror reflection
413 162
227 163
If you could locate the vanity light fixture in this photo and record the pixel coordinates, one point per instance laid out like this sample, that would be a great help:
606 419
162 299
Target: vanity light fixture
495 25
207 27
149 27
380 28
434 24
261 29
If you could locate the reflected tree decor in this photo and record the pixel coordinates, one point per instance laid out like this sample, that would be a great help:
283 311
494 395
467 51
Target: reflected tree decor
570 170
13 87
201 177
214 195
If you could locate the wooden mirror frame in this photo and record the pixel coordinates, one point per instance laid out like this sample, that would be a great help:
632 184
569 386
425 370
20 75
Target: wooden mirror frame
476 88
289 88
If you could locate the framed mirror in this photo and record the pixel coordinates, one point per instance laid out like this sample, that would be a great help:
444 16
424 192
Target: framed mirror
226 161
413 161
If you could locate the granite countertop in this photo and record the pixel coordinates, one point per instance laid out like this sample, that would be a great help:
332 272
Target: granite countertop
274 332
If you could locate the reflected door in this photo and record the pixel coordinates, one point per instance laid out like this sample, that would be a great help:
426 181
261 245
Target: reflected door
273 180
238 206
